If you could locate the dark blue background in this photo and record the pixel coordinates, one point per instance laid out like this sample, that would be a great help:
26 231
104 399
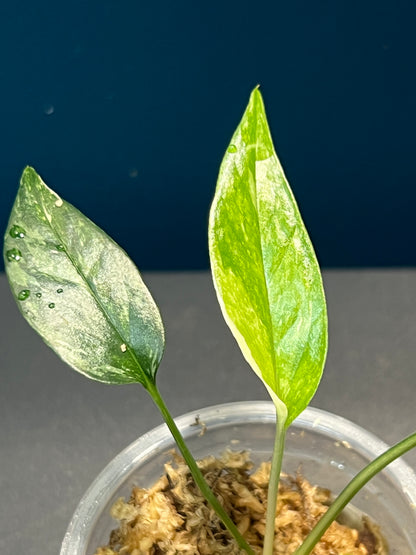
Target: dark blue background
126 107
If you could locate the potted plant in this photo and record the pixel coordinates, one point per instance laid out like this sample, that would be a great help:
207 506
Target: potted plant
268 284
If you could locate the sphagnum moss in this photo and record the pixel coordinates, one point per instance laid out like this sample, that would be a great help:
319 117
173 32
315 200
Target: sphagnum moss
173 518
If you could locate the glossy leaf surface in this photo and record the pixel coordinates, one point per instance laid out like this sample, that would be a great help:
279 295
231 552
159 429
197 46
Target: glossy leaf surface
79 289
264 268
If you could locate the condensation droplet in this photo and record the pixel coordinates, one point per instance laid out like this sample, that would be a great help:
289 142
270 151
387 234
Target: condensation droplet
51 305
13 255
339 465
38 295
59 290
232 149
23 294
48 109
60 247
17 232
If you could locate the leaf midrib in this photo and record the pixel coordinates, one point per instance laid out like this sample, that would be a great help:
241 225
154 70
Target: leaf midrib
271 334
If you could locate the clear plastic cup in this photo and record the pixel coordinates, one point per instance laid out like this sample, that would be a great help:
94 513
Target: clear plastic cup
328 449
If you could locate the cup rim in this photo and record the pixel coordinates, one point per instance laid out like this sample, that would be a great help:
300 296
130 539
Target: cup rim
339 428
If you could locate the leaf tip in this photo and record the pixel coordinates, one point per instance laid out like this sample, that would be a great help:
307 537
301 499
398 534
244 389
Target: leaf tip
256 91
28 171
256 97
29 176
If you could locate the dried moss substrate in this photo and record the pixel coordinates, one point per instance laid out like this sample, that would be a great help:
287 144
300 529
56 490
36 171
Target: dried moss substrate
173 518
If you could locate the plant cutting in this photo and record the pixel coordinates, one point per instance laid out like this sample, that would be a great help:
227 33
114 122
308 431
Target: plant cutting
84 296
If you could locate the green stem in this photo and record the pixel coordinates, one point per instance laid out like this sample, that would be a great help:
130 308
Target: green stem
351 489
273 489
195 471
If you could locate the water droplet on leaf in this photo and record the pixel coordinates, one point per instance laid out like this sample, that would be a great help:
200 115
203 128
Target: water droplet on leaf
23 294
60 247
59 290
38 295
232 149
51 305
17 232
13 254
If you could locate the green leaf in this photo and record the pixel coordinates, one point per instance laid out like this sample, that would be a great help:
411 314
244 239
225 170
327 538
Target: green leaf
264 268
79 290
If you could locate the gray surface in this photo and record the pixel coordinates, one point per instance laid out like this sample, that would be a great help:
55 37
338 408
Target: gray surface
58 429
